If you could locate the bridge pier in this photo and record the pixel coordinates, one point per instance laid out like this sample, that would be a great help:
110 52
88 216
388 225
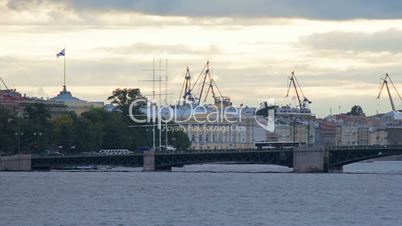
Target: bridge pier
20 162
310 160
149 161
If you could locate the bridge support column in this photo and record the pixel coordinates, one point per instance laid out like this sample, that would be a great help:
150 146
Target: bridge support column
310 160
149 161
15 163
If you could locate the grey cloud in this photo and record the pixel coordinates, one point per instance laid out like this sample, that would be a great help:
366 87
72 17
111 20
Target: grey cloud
383 41
152 49
313 9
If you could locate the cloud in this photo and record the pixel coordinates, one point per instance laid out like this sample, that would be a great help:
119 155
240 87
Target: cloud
153 49
312 9
383 41
63 15
323 9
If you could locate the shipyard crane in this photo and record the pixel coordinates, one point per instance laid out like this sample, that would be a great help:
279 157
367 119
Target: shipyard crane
186 88
218 99
298 90
204 79
211 87
204 73
384 82
2 81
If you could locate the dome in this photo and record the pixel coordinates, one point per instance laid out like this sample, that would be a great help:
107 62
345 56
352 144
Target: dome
66 96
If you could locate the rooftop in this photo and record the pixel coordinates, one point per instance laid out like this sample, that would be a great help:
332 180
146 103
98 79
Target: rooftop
66 96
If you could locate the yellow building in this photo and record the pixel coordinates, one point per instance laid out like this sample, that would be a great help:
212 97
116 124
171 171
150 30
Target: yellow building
209 131
75 104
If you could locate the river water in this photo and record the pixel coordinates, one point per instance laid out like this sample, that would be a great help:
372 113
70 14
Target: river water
366 194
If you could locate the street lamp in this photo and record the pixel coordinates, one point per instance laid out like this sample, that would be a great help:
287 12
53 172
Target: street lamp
19 134
174 142
37 135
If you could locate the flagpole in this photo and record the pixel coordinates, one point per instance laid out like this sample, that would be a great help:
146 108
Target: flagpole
64 85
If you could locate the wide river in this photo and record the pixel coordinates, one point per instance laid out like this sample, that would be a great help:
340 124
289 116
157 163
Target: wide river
366 194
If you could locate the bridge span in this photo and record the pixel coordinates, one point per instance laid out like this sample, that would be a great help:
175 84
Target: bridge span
301 159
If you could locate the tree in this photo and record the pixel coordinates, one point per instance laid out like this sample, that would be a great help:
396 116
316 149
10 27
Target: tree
116 133
124 97
38 113
139 136
92 130
35 121
8 127
63 132
180 140
85 135
356 111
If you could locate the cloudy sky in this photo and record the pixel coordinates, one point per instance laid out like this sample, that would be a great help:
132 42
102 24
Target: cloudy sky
338 49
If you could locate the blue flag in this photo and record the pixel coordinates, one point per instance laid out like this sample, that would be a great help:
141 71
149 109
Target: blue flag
62 53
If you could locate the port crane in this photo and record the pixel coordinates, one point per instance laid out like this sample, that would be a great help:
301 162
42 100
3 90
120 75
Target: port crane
206 85
384 81
2 81
218 99
185 93
298 90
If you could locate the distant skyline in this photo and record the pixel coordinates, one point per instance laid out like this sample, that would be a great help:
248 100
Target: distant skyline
338 49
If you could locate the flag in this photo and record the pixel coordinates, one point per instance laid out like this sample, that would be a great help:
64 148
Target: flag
62 53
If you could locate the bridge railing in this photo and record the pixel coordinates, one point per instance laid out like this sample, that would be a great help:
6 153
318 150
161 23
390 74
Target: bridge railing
190 151
367 147
221 150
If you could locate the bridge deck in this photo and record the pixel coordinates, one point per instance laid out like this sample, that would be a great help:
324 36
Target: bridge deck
337 156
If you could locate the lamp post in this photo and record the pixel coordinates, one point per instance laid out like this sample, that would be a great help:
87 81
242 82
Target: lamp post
294 130
37 135
19 134
174 142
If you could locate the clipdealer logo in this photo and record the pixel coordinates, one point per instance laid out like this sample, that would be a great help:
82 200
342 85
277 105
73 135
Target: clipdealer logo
210 114
267 123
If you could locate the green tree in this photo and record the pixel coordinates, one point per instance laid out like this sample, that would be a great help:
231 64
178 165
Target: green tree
179 140
8 127
38 113
97 117
116 133
124 97
35 125
84 135
63 132
138 136
356 110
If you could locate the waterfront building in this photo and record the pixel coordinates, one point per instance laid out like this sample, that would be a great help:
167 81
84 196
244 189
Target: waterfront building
16 102
378 136
208 131
326 133
75 104
394 135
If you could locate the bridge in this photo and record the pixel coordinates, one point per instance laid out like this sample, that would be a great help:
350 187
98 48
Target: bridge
301 159
340 156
